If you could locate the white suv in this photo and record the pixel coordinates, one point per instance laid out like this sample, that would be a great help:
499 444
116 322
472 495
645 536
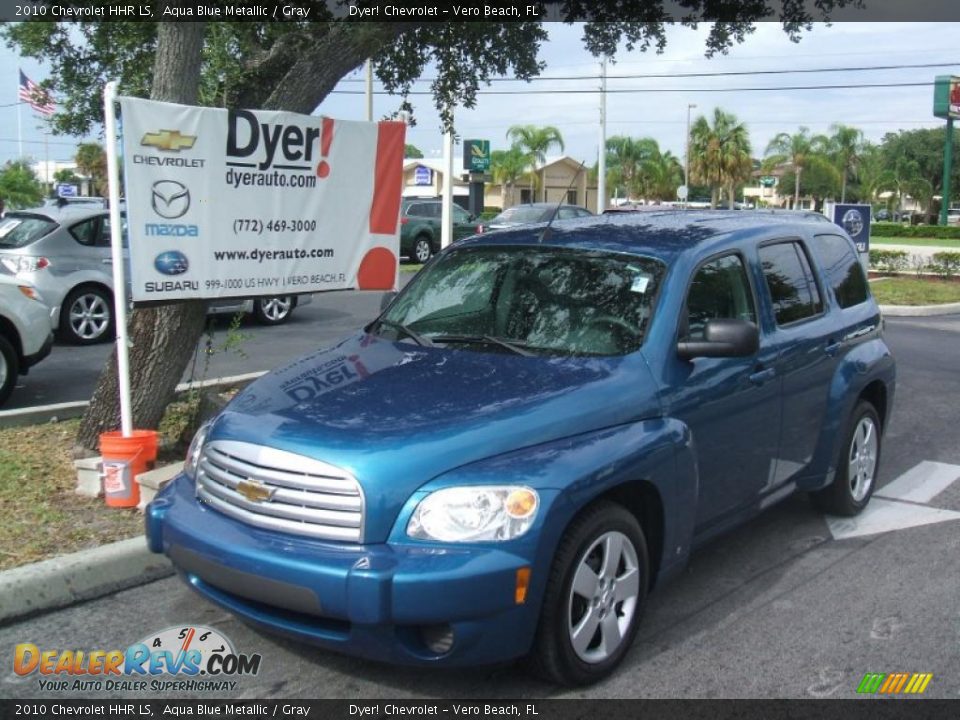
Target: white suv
25 331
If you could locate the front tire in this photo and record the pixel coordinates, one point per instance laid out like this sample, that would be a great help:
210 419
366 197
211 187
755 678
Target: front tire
856 476
594 598
9 369
273 310
87 316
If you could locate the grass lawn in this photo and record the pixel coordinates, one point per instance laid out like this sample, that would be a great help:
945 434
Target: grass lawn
410 267
913 291
40 515
913 241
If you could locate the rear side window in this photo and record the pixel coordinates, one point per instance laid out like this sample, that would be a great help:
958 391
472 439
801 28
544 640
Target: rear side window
842 269
86 232
18 231
793 290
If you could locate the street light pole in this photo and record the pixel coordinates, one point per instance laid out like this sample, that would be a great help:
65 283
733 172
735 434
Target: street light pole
602 159
686 158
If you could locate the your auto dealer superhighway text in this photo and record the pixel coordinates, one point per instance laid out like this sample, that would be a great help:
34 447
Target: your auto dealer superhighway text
454 11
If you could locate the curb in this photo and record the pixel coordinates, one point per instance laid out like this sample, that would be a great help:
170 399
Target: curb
65 411
84 575
919 310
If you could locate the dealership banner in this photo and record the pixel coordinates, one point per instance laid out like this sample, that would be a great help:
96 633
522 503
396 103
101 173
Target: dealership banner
227 203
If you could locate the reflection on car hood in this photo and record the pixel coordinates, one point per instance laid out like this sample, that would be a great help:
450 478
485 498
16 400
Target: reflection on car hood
396 414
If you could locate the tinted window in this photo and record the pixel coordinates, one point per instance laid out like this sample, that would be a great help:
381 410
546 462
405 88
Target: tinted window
85 232
842 269
793 292
521 214
567 213
460 215
720 289
20 230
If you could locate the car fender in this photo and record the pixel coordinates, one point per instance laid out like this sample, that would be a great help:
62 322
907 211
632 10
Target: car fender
867 361
570 473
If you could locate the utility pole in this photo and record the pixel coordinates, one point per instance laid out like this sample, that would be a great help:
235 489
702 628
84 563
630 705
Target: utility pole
686 158
947 170
446 217
602 161
369 69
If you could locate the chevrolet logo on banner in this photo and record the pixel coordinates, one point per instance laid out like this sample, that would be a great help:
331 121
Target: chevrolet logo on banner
255 491
895 683
170 140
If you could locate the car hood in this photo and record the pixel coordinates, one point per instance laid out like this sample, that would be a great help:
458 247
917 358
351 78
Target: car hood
396 415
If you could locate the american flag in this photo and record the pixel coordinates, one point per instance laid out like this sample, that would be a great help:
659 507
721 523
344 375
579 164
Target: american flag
38 98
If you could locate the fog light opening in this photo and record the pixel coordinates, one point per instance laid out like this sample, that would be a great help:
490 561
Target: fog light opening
437 638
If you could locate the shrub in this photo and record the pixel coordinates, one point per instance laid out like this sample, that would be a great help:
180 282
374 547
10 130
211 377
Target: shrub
888 260
941 232
946 264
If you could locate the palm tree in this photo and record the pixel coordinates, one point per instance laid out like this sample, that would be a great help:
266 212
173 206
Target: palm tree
91 160
625 155
508 167
872 172
846 147
535 142
720 154
662 174
800 150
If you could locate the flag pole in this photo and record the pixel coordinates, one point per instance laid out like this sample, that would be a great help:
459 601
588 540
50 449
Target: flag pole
19 124
116 245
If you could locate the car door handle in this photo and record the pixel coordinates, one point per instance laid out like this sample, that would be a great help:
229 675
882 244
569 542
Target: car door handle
761 376
832 348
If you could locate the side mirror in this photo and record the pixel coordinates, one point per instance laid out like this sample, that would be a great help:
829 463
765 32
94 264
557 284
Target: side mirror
387 299
723 337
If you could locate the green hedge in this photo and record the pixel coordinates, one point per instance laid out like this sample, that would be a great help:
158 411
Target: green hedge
889 260
946 264
883 229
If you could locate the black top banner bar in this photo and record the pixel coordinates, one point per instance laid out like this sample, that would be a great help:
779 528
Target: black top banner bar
669 11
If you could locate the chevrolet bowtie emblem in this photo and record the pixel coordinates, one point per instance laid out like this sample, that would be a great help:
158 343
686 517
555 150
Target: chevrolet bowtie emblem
255 491
169 140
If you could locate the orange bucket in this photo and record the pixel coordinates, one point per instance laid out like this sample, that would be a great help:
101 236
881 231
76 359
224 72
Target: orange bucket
123 459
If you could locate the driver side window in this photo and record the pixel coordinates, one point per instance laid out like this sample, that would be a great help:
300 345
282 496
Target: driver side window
720 289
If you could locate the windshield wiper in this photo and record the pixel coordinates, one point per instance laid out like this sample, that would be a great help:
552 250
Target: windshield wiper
511 345
400 327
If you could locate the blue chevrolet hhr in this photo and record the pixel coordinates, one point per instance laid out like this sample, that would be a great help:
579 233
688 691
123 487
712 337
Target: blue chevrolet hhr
537 430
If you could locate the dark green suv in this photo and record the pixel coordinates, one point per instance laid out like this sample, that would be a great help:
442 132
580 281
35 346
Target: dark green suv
420 227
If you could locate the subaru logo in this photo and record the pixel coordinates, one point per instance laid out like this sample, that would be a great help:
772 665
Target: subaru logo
170 199
171 262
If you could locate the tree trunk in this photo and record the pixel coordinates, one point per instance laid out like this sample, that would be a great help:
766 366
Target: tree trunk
730 196
843 188
714 197
163 339
796 187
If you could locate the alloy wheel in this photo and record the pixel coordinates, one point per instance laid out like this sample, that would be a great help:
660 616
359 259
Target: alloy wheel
862 458
89 316
603 597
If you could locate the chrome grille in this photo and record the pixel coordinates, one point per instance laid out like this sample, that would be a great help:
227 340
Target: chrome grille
298 494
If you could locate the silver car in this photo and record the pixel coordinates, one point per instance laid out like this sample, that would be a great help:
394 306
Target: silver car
65 253
25 337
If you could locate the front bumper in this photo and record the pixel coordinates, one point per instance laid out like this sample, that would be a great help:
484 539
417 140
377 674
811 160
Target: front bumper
30 360
374 601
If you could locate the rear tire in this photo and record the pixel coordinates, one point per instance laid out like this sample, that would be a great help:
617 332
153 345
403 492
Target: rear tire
9 369
87 316
273 310
856 476
422 251
594 598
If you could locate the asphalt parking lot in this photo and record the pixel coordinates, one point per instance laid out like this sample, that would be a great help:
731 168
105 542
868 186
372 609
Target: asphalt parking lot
789 606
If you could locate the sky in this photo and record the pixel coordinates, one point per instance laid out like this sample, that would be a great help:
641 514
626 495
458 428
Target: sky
660 115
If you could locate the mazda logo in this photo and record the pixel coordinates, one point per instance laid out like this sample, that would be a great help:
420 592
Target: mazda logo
170 199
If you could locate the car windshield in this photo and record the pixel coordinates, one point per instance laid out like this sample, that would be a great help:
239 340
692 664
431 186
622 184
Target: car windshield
521 214
17 231
529 300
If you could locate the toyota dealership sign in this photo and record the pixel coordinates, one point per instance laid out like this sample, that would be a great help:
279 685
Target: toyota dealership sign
227 203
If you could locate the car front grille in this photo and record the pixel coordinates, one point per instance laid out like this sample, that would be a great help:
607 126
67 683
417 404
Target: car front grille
280 490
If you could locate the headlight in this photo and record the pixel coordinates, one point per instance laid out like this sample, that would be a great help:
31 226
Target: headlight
192 462
475 513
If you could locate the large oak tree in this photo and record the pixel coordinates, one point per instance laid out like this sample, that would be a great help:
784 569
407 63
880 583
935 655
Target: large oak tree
293 66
